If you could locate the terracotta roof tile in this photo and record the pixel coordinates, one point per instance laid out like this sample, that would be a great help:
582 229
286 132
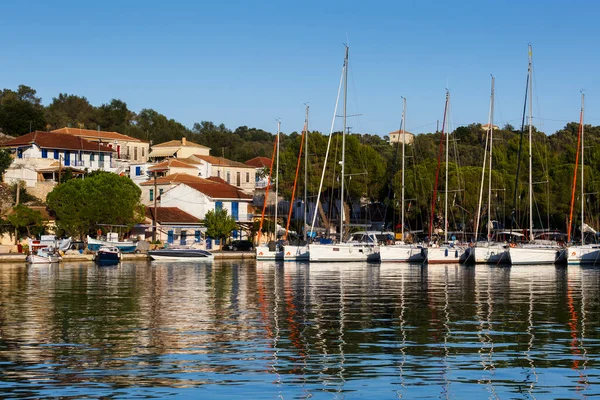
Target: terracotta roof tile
93 134
171 215
175 178
218 190
259 162
52 140
171 162
220 161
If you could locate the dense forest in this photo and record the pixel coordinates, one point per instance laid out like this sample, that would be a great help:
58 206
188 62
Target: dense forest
372 164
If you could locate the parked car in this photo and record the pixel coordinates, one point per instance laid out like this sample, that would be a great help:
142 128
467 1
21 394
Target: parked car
239 245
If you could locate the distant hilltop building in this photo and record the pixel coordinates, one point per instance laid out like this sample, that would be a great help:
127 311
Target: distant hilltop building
486 127
397 136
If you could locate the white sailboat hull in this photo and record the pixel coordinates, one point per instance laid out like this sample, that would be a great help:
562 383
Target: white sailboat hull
343 252
295 253
493 253
444 254
402 253
586 254
533 255
263 253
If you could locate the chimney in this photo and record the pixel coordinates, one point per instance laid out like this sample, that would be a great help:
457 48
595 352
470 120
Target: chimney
183 141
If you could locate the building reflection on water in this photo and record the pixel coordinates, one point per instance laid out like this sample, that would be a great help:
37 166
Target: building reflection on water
280 328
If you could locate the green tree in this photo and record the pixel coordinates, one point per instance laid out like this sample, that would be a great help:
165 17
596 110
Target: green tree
101 198
219 224
21 111
70 110
5 161
25 220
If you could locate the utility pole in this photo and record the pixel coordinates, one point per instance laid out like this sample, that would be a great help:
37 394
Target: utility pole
59 168
16 204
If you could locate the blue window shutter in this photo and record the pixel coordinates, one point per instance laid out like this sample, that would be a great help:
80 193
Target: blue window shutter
44 153
218 205
151 194
56 154
138 171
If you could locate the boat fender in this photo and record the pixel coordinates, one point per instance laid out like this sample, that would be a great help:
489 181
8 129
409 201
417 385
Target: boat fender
513 245
573 254
456 254
446 253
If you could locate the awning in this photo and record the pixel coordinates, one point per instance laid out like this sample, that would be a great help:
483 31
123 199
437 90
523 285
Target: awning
162 153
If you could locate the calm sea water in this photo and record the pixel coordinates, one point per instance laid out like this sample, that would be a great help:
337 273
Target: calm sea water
261 330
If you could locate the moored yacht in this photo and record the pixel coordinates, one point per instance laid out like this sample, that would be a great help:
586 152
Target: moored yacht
402 252
363 246
445 253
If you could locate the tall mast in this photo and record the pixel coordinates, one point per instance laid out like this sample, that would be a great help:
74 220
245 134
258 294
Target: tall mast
491 127
403 164
343 145
305 170
582 152
277 178
530 70
446 187
485 151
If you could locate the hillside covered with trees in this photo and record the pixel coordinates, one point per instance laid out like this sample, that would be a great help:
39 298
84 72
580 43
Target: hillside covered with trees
372 165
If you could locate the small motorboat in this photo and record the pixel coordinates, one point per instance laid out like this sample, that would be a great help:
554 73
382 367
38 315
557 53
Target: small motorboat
43 255
107 255
181 254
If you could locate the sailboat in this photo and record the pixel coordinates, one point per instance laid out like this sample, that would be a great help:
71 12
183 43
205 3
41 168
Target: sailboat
401 251
299 252
446 252
364 250
532 253
583 253
487 251
272 250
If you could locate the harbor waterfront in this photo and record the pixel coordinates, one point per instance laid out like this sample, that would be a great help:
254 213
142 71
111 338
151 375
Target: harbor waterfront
248 329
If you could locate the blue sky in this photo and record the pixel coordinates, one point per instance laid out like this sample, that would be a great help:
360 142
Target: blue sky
248 63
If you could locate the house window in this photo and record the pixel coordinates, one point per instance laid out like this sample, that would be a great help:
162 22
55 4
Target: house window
228 177
138 171
238 178
142 152
135 153
151 194
19 153
101 157
92 156
44 153
247 177
56 154
218 174
160 192
218 205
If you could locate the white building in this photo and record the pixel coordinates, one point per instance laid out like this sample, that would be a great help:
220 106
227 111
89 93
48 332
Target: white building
177 148
399 136
40 157
196 196
126 148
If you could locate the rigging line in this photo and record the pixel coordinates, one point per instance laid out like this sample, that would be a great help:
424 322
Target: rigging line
312 226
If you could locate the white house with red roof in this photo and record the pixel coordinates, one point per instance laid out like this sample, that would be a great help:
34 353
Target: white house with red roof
196 196
40 157
262 166
126 148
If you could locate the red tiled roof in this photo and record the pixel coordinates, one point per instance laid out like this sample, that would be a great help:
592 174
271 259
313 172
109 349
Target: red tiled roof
92 134
171 215
218 190
216 179
259 162
220 161
171 162
178 143
209 187
52 140
175 178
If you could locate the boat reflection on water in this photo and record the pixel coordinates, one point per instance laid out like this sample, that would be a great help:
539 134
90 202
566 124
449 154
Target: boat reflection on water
240 329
